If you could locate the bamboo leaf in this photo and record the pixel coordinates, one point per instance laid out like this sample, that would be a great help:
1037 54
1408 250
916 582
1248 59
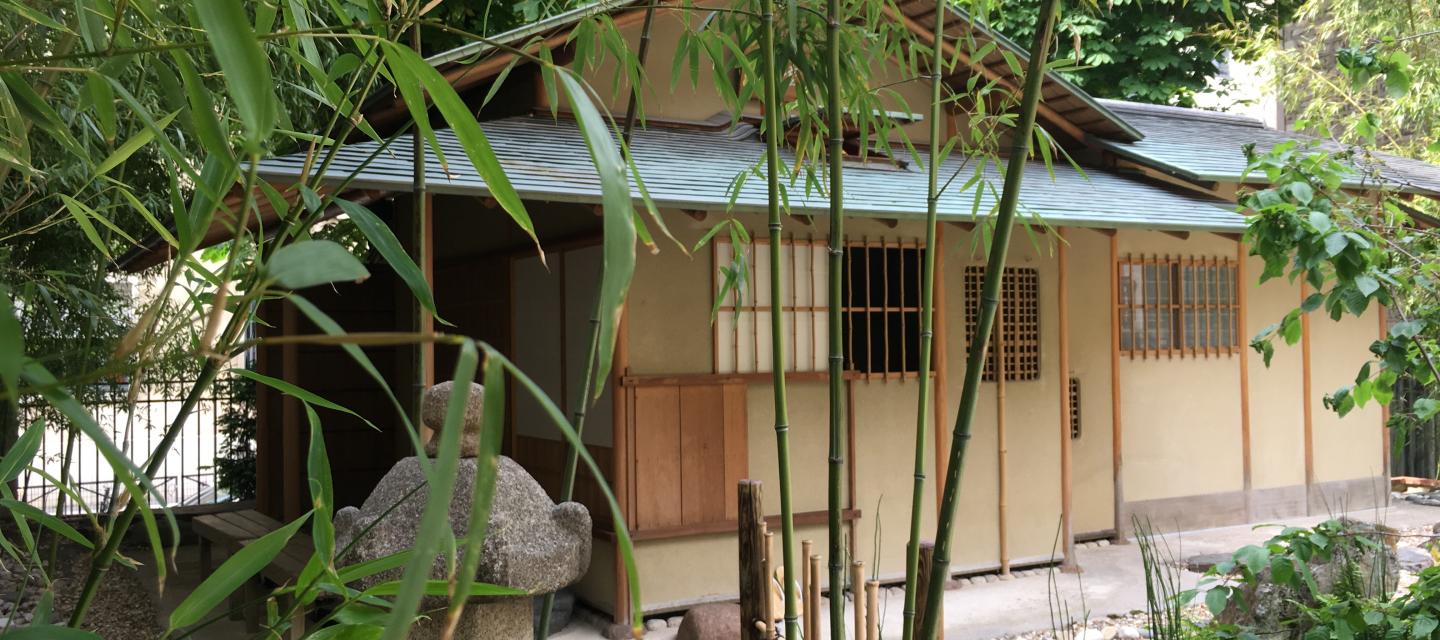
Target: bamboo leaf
22 453
136 483
557 417
100 97
442 588
467 131
12 347
384 241
347 632
298 393
82 214
435 520
618 260
46 520
236 571
48 632
322 493
332 328
313 262
202 108
369 568
492 431
129 147
247 71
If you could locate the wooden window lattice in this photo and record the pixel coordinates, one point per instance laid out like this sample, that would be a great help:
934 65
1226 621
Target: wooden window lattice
881 307
1074 408
1185 306
1017 330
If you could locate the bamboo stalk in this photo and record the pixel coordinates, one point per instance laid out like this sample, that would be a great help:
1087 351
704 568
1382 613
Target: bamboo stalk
974 367
835 123
773 133
927 333
1002 448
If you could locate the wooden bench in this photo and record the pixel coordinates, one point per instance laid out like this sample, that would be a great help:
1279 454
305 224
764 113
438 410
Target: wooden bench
232 531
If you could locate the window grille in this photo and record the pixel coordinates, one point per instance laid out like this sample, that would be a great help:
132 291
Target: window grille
1183 306
1017 327
880 307
742 321
1074 408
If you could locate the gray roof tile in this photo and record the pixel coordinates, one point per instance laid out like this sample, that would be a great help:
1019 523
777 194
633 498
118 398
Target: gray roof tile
546 160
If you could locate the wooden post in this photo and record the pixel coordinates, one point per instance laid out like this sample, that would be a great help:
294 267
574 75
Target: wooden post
857 596
1305 407
872 610
807 612
769 595
927 564
1117 450
754 589
622 454
1384 408
814 621
1002 449
939 362
1063 287
293 445
1241 285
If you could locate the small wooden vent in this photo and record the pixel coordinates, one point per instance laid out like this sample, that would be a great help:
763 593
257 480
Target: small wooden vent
1074 408
1017 327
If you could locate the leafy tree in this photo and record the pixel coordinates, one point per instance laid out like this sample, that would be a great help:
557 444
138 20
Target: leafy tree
1160 51
1364 71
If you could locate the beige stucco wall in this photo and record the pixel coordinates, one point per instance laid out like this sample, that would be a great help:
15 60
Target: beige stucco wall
1349 447
1181 416
1277 423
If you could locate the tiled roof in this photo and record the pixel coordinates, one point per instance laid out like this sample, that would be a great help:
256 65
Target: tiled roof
546 161
1208 146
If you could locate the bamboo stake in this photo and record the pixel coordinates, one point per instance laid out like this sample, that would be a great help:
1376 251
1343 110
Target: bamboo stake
814 597
777 337
769 605
927 334
974 367
807 549
857 593
872 610
1003 463
1063 289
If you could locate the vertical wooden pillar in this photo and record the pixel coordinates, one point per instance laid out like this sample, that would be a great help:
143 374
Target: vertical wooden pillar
1306 409
267 450
1002 446
622 454
1063 285
1242 286
292 443
1384 408
940 361
1117 450
754 587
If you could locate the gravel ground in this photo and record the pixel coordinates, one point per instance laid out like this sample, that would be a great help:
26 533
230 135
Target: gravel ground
122 610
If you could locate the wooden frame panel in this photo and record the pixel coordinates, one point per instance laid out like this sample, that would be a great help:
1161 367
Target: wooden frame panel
1186 306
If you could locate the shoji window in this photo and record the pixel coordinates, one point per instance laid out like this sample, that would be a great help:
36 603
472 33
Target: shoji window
1017 324
1184 306
742 322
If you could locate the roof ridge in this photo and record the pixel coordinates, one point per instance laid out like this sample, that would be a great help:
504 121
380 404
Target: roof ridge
1144 108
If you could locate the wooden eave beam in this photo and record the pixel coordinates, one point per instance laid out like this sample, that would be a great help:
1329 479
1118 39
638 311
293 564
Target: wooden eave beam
950 51
1182 235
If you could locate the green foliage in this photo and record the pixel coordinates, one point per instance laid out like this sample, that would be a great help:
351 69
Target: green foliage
1364 71
235 461
1160 51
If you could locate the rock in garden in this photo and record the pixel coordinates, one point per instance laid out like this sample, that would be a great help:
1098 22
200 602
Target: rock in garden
720 621
1413 559
1203 562
1268 604
654 624
1128 632
532 543
437 400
